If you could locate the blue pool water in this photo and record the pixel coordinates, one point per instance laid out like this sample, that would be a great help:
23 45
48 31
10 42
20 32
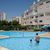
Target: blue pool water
24 44
19 33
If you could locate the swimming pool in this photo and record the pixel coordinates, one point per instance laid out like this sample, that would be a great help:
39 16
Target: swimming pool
24 43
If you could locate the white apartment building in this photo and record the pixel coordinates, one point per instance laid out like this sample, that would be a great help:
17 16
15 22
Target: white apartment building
16 18
3 16
39 14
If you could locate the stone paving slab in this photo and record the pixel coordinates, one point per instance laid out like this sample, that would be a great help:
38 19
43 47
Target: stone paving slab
45 35
2 48
2 36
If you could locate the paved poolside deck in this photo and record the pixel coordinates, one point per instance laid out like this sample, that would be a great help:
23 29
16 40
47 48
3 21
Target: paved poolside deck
45 35
2 36
1 48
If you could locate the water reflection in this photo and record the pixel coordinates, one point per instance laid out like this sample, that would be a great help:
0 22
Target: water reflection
33 46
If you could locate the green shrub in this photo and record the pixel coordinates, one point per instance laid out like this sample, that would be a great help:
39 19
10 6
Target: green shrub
37 29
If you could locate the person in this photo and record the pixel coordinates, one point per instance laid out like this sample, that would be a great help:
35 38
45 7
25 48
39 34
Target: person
30 40
37 38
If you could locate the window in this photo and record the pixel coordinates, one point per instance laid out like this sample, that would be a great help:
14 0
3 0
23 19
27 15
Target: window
41 15
32 17
40 21
41 4
25 22
40 8
36 16
36 21
48 7
35 10
47 1
48 13
24 19
30 21
27 13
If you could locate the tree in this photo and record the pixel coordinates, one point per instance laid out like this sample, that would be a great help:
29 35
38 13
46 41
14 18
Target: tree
15 24
5 25
4 22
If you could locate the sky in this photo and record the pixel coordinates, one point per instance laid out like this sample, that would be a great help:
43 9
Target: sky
14 8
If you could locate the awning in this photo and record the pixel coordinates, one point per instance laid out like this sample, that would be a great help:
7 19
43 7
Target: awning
46 26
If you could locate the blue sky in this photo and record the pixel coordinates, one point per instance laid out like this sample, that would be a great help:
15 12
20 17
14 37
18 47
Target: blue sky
14 8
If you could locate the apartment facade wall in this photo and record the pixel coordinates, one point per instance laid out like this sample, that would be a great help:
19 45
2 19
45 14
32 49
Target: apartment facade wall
16 18
3 16
44 10
38 15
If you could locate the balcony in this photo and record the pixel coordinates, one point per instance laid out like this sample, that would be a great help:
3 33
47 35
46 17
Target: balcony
47 1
